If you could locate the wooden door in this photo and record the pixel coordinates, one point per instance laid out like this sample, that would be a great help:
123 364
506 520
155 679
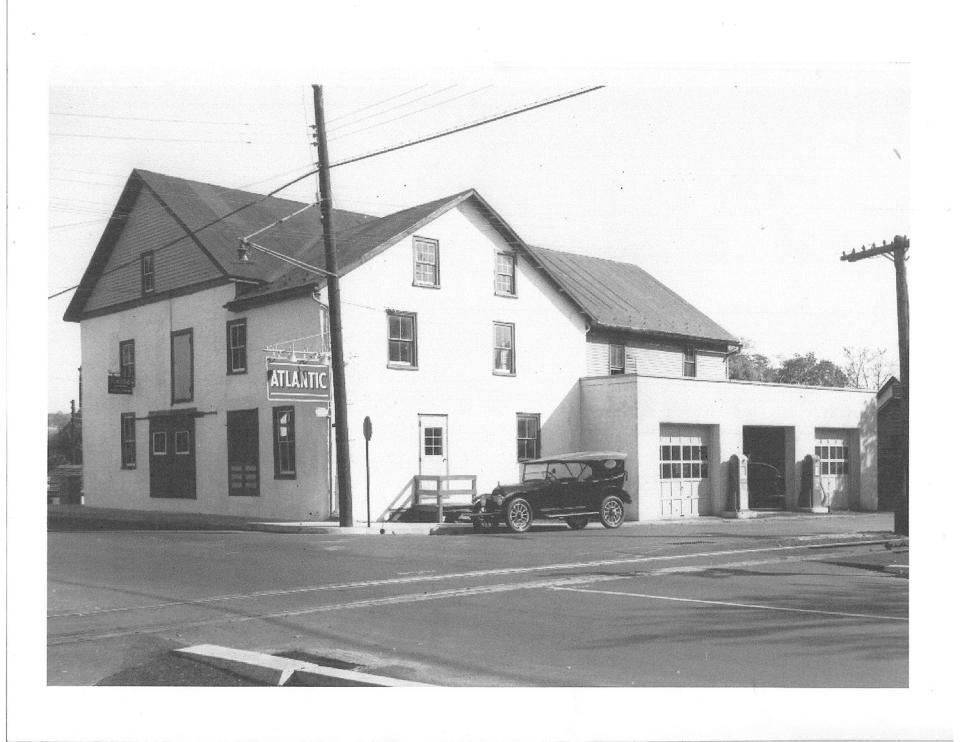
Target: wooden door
173 457
684 470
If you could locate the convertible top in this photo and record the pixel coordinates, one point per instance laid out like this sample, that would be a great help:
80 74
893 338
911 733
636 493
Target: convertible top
579 456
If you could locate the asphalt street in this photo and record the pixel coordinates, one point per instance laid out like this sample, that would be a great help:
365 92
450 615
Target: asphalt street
763 603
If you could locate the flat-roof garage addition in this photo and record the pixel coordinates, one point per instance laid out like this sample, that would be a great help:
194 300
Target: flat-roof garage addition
680 434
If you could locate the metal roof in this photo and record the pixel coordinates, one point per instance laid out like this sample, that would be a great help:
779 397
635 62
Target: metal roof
623 296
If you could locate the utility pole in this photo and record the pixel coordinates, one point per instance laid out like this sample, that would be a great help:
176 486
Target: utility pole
898 248
344 493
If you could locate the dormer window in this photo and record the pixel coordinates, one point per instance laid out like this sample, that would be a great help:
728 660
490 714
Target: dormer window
146 272
617 359
426 262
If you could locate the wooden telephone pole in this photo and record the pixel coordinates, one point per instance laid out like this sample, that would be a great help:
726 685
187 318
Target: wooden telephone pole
898 249
344 493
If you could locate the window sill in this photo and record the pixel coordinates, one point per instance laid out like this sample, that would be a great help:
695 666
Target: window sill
504 295
126 467
425 285
402 367
284 476
243 494
504 373
239 372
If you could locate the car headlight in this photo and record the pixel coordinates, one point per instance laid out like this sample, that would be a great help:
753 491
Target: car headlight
497 499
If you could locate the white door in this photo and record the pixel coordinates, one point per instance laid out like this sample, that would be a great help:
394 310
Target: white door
833 448
684 471
433 445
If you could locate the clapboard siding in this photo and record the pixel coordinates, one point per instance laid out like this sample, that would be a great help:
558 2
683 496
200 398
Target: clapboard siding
150 227
652 359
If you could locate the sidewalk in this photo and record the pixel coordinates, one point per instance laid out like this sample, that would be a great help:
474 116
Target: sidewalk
85 518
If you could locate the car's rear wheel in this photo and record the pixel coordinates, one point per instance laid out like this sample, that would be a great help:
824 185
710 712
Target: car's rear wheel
577 522
611 511
519 515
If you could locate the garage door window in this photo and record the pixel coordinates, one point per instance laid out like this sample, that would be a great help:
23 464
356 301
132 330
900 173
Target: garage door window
833 459
683 462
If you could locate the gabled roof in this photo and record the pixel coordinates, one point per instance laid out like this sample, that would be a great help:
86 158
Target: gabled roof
195 205
624 297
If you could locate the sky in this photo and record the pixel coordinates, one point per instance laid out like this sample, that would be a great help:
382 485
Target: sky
736 186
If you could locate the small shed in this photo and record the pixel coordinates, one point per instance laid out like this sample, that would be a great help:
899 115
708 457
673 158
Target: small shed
889 442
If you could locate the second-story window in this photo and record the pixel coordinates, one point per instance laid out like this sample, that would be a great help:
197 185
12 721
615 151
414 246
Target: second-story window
237 346
128 368
426 262
506 277
146 272
402 339
504 361
617 359
181 366
689 362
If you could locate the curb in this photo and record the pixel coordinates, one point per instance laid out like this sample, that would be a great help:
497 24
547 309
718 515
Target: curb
278 671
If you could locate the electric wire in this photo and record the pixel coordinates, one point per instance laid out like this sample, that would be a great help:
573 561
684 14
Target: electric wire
358 158
140 118
374 105
150 139
393 108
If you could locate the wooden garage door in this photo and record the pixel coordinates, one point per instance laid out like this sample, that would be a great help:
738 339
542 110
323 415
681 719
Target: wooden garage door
833 448
684 471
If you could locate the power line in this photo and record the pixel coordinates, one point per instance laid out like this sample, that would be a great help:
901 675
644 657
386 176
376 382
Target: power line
378 103
138 118
150 139
78 224
394 108
412 113
465 127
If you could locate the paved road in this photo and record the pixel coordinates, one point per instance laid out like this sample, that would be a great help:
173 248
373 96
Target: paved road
707 604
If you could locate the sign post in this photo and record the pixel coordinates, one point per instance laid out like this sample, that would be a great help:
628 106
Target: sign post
368 434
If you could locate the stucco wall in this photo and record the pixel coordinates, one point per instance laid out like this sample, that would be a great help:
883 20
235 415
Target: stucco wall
455 361
726 406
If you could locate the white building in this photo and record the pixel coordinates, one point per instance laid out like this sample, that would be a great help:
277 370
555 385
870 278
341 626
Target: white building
468 349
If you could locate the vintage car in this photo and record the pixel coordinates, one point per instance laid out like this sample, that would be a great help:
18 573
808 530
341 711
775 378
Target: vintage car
573 487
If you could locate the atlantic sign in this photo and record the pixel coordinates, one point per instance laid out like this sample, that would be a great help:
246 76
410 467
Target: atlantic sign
298 382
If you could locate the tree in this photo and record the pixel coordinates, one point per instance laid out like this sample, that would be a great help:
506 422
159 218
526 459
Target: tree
809 371
746 366
865 368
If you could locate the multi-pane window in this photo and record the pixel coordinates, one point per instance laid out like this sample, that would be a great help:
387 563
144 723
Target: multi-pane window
683 462
181 366
127 360
833 459
506 277
160 443
426 262
284 444
181 442
237 346
617 359
503 348
528 436
689 362
128 441
402 338
433 441
146 272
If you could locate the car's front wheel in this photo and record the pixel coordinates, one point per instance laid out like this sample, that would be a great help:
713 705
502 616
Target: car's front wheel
577 522
611 511
519 515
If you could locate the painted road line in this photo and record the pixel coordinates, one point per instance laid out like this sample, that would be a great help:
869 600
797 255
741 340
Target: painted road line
271 670
727 604
458 592
463 575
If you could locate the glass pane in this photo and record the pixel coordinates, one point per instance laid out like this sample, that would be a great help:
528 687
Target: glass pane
675 453
703 454
686 453
182 367
695 471
665 471
664 453
845 453
675 470
686 471
834 452
703 471
394 326
824 468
